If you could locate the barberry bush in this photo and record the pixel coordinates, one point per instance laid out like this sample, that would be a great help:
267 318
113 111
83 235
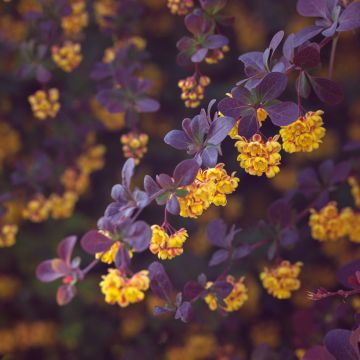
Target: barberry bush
180 179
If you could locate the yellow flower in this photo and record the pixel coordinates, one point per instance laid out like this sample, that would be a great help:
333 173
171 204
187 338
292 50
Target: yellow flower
167 246
192 90
104 9
62 207
122 290
67 57
328 224
45 104
214 56
8 235
305 134
234 131
78 19
75 181
355 190
234 301
92 159
180 7
134 145
108 257
281 280
352 224
209 187
37 209
9 142
257 157
110 121
261 115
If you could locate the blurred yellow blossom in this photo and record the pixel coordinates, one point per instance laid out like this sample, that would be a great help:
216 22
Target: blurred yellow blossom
74 23
8 235
9 286
180 7
111 122
68 56
167 246
192 90
216 55
134 145
355 190
62 206
9 142
45 104
281 280
37 209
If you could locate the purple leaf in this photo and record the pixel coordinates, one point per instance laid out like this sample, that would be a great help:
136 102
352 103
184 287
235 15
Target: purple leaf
219 257
308 182
185 43
209 157
302 85
279 213
127 172
221 289
119 193
216 232
65 293
327 90
147 105
253 62
341 172
337 342
141 198
199 56
308 56
50 270
349 274
312 8
272 86
219 129
288 47
350 17
248 125
159 281
185 172
283 113
173 206
139 236
242 251
275 42
192 289
112 100
326 170
177 139
94 242
288 237
306 34
165 181
158 310
216 41
42 74
231 107
150 185
184 312
318 353
65 248
195 23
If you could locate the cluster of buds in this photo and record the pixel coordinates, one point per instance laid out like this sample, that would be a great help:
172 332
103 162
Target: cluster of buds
8 235
257 157
234 301
122 290
37 209
216 55
45 104
192 90
180 7
134 145
305 134
75 22
280 281
68 56
209 187
167 246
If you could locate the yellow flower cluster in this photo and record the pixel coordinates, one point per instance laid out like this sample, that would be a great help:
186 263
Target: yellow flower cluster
8 235
112 122
104 9
75 180
108 257
92 159
122 290
216 55
209 187
192 90
353 224
234 301
37 209
329 224
257 157
9 142
62 206
167 246
281 280
68 56
74 23
261 115
180 7
305 134
355 190
45 104
137 41
134 145
233 133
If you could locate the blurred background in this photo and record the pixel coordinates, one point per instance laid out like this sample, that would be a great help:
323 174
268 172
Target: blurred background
33 326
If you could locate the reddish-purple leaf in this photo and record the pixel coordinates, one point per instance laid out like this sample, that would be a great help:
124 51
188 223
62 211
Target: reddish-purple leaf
65 293
173 206
231 107
302 85
185 172
337 342
308 56
349 274
327 91
147 105
283 113
165 181
221 289
272 86
50 270
138 236
195 23
216 41
242 251
192 289
199 56
350 17
219 129
177 139
275 42
159 281
216 232
219 257
248 125
127 172
280 213
209 156
313 8
184 312
150 185
306 34
308 182
94 242
341 172
65 248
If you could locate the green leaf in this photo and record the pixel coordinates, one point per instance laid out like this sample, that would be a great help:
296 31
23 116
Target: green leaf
181 192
